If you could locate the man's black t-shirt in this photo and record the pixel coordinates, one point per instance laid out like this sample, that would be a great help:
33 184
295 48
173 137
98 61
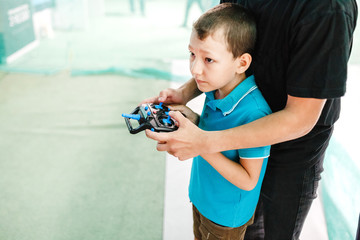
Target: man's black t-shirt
302 50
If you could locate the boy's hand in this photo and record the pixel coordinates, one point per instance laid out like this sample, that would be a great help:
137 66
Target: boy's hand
167 96
187 112
186 142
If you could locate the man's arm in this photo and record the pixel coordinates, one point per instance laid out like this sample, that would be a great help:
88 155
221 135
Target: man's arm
295 120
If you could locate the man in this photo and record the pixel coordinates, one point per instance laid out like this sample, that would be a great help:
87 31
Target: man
300 66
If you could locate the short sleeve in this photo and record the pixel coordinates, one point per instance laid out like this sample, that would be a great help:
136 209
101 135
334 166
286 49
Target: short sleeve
259 152
320 49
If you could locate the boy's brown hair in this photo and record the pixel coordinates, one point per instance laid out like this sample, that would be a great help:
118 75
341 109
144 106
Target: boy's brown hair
238 24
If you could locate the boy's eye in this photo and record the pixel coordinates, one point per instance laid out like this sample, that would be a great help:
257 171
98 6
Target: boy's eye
209 60
192 54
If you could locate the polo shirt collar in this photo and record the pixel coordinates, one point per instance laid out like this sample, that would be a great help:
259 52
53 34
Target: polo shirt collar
228 104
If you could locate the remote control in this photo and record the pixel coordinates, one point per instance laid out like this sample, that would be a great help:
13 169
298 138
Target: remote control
150 116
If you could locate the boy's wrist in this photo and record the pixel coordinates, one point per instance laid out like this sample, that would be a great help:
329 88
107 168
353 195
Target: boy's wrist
195 119
189 90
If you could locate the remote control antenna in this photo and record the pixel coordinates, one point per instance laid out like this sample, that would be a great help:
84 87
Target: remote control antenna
167 120
159 106
131 116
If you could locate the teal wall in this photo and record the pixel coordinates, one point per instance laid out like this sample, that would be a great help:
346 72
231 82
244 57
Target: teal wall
16 26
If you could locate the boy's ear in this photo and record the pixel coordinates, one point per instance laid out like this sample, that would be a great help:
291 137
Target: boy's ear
243 63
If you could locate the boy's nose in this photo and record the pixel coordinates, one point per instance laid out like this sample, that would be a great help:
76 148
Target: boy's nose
196 67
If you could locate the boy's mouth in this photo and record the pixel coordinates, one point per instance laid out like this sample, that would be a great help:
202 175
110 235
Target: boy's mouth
198 81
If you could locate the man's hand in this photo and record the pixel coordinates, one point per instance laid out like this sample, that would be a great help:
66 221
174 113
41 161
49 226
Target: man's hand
186 142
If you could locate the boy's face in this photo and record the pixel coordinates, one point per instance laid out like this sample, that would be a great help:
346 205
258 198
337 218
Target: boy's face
212 65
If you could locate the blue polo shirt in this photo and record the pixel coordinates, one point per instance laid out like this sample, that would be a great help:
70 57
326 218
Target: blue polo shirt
214 196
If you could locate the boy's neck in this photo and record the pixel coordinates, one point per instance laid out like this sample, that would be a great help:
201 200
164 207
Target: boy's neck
223 92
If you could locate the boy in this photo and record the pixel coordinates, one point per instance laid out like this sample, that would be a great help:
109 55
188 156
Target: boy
225 187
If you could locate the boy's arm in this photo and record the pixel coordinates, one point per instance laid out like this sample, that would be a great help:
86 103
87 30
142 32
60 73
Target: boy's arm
244 175
181 95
